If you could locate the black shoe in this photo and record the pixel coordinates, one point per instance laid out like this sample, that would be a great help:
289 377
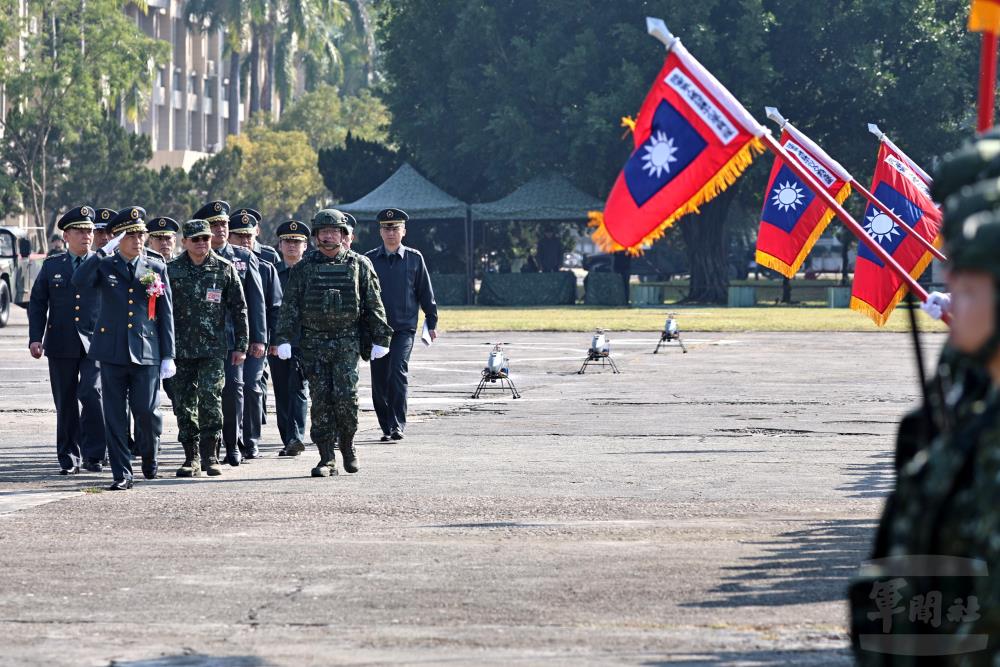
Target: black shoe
385 438
120 485
293 448
396 434
232 457
70 471
93 466
252 454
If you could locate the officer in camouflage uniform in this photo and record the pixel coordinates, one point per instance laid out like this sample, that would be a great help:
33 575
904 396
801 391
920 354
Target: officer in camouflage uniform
945 503
206 289
331 304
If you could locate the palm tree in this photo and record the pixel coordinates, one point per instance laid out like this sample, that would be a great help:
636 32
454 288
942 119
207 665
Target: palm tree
233 16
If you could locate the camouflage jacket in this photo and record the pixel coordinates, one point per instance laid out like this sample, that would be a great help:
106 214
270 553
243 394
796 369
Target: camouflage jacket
203 296
317 315
946 503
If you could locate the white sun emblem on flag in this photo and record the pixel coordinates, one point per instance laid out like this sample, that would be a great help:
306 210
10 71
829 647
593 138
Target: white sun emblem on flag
881 227
787 196
660 153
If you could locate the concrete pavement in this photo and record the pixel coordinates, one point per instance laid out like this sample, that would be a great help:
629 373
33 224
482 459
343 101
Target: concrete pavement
705 508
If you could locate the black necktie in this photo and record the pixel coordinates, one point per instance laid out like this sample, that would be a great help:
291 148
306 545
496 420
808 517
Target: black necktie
76 263
131 270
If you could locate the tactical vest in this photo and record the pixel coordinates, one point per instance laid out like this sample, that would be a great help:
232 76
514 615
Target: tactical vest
331 300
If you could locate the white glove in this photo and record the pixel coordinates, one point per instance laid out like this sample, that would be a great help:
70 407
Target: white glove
285 351
167 369
937 304
378 351
112 245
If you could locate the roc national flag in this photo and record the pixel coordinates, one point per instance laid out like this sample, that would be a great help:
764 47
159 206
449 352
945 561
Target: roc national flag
877 289
794 217
692 139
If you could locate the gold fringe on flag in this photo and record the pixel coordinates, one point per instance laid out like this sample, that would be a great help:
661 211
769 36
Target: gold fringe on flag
880 318
716 185
628 122
985 16
789 270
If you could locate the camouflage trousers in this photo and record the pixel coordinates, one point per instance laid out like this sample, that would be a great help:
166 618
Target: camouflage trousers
333 389
197 389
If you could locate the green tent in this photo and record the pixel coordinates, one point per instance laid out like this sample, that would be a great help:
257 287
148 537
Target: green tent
546 197
408 190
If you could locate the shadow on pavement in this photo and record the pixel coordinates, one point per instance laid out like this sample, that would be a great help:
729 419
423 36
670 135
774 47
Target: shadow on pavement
874 479
759 659
803 566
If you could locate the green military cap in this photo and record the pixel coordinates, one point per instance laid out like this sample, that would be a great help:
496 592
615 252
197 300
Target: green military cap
329 218
976 160
971 199
196 228
974 244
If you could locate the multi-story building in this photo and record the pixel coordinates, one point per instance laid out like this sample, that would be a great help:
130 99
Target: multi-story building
188 113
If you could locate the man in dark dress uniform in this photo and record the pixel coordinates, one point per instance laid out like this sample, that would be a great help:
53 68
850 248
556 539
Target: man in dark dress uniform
406 289
133 340
291 398
61 321
241 235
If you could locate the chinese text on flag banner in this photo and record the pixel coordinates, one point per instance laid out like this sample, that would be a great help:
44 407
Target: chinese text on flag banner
794 217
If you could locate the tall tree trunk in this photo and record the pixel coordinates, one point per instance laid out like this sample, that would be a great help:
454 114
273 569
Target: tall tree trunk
786 290
705 237
255 73
234 93
845 238
267 95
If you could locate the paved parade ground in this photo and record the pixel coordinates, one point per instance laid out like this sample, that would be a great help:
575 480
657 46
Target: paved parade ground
705 508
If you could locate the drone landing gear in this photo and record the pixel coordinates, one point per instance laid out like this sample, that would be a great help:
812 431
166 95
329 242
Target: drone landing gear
506 384
598 359
666 338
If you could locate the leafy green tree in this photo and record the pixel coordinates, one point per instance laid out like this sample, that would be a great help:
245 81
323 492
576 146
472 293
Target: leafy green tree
78 60
515 87
357 168
327 117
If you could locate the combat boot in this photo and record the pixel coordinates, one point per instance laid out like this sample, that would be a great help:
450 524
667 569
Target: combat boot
209 458
327 465
189 468
350 456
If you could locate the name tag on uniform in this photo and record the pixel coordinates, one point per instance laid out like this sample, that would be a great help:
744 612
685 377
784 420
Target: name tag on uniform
213 295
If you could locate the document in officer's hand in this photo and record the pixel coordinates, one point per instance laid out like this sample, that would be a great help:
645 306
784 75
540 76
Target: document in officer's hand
425 335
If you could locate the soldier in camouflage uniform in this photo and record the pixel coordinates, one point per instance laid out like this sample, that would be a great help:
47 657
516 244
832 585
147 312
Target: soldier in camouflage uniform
907 610
207 288
331 304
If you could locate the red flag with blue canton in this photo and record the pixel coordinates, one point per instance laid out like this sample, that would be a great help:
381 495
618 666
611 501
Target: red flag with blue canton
692 140
794 217
877 289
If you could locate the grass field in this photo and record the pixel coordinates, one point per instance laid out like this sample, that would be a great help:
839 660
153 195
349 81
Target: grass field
710 319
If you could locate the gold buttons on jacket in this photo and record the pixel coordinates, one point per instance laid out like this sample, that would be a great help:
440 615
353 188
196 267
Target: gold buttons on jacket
130 290
130 302
77 296
77 308
129 325
102 329
76 319
130 313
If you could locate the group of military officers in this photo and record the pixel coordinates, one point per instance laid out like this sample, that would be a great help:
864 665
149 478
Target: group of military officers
117 318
